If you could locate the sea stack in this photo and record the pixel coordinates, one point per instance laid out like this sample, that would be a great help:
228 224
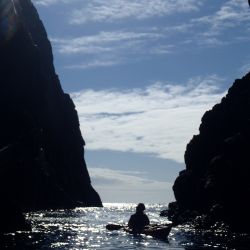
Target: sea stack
216 182
41 147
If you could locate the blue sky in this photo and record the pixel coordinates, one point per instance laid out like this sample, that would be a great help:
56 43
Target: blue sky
141 74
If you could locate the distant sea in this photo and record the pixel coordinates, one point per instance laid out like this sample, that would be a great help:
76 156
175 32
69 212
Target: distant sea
84 228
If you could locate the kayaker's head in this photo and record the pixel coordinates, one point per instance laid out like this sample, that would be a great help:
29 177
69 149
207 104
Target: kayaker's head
140 208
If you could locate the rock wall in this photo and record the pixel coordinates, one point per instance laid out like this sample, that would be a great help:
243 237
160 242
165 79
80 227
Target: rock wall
41 148
217 174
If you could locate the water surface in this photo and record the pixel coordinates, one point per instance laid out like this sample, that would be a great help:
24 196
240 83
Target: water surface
84 228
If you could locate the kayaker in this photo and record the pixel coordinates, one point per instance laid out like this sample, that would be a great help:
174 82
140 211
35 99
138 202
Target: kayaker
139 220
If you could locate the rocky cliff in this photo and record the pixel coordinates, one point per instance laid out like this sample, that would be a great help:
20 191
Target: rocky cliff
41 148
216 181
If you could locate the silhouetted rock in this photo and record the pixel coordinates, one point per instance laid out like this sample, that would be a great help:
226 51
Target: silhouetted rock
164 213
41 148
218 164
12 218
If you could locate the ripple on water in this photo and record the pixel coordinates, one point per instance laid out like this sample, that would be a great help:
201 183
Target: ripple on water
84 228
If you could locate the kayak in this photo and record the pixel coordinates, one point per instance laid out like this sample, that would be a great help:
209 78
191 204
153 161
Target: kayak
156 231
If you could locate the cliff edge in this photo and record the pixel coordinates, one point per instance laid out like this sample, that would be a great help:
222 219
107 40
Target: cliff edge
41 148
216 182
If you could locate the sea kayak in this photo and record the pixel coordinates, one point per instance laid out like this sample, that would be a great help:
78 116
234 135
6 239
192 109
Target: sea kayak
156 231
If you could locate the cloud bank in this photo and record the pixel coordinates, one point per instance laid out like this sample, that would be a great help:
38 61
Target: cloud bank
232 14
106 49
104 42
51 2
120 43
159 120
115 10
124 185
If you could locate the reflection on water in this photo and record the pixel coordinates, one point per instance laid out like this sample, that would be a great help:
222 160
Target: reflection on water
84 228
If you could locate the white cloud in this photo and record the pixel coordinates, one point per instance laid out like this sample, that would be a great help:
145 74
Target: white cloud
116 185
50 2
113 47
159 119
102 42
244 69
162 49
45 2
230 15
113 10
107 49
101 62
207 30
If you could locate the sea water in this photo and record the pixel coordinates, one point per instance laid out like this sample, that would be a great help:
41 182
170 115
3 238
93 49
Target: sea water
84 228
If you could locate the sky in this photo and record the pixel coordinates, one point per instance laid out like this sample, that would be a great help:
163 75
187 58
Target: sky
141 74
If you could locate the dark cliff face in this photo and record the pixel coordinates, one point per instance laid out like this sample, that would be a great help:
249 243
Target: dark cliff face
217 161
41 148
